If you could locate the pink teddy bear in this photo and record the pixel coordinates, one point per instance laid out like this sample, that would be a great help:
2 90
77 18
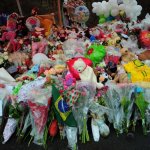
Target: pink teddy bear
39 47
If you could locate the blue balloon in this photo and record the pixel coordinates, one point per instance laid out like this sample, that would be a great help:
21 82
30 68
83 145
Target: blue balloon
63 106
92 38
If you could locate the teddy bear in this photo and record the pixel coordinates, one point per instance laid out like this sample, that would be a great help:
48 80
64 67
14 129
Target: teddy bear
39 46
18 58
113 39
121 75
41 59
86 73
144 55
126 55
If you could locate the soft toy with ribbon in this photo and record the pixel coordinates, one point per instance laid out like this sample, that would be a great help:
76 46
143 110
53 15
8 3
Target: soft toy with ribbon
71 62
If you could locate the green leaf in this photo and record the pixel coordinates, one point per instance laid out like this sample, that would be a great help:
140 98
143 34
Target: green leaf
141 104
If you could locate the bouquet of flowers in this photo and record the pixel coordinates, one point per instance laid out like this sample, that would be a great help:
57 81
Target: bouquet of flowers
113 101
39 113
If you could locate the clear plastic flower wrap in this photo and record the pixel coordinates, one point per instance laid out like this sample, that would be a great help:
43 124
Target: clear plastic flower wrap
9 129
24 92
81 108
39 112
71 133
127 102
3 94
120 98
147 98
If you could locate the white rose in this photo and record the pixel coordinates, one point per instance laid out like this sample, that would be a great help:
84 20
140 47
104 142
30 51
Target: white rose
6 57
1 60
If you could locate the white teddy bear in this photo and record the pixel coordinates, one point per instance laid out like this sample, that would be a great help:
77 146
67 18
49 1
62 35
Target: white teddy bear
86 73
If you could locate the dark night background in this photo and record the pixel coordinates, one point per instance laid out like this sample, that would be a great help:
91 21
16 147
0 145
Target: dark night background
10 6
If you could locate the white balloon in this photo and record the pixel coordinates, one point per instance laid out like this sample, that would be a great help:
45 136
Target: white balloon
106 14
114 12
122 7
94 4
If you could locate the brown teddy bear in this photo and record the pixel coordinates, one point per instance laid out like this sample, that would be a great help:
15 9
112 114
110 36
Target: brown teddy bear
121 75
126 55
144 55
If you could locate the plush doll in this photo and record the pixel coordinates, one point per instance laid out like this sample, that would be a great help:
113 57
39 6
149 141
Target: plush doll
59 68
127 56
99 34
114 39
121 75
102 77
144 55
99 127
69 81
39 46
86 73
41 59
111 69
18 58
70 64
9 36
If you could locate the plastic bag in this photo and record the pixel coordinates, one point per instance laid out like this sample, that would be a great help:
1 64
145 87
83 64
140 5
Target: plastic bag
9 129
95 130
24 93
71 133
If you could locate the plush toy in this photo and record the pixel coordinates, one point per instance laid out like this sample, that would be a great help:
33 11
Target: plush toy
102 77
144 55
9 36
111 69
39 46
113 40
59 68
41 59
96 53
126 55
121 76
18 58
73 71
69 81
86 73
